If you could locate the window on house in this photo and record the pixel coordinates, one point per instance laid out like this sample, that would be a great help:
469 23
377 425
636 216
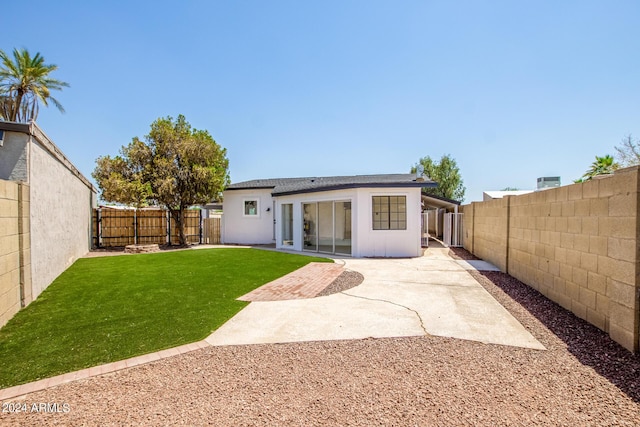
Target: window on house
251 207
389 212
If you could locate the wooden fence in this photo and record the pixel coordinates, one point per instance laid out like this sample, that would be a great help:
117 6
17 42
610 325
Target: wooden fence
211 231
121 227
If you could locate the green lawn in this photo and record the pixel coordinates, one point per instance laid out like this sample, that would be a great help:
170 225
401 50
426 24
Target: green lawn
106 309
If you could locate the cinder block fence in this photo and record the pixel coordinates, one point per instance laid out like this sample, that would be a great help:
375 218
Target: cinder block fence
45 215
578 245
15 271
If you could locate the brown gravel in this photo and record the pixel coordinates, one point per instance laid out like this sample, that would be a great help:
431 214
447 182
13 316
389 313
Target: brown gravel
346 280
583 379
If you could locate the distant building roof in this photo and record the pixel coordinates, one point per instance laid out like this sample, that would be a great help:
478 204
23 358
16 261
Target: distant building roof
488 195
285 186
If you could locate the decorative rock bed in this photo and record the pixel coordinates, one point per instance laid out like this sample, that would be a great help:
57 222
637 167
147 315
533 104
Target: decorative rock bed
141 249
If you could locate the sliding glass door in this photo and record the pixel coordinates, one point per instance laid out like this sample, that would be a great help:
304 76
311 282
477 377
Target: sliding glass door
342 215
287 224
327 227
310 226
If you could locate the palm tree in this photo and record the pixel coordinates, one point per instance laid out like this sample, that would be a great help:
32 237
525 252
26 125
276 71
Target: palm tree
24 82
602 166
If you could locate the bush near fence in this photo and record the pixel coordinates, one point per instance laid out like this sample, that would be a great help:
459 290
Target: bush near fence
578 245
122 227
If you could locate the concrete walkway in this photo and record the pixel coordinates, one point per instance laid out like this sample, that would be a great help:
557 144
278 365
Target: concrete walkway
430 295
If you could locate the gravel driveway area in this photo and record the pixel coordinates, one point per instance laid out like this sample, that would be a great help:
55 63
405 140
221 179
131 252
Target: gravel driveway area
583 379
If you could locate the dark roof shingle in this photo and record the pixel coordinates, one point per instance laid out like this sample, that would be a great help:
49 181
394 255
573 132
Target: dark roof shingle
284 186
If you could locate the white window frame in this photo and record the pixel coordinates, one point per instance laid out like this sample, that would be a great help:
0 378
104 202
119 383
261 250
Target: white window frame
244 207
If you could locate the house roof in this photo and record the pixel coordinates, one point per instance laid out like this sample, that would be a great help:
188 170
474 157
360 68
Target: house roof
285 186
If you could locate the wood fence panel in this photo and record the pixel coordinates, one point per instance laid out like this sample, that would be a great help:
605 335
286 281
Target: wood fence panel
191 228
152 227
120 227
211 231
116 227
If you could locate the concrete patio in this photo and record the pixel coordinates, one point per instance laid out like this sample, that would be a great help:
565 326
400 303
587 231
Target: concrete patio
430 295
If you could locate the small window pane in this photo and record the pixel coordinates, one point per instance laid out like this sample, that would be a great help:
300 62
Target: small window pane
251 207
389 212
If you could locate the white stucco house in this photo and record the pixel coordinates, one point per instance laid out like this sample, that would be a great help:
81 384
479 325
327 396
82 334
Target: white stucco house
359 216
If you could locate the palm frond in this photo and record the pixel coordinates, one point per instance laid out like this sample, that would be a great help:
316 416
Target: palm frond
25 80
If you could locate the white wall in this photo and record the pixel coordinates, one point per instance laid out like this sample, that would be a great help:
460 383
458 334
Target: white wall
60 216
387 243
247 230
297 200
366 242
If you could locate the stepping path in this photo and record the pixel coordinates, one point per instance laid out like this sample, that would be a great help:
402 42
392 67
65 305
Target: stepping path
305 282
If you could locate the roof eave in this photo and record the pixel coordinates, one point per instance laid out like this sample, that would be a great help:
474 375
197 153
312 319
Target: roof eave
267 187
355 185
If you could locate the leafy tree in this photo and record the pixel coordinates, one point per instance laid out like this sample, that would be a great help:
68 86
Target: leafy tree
629 152
176 167
24 83
601 166
446 173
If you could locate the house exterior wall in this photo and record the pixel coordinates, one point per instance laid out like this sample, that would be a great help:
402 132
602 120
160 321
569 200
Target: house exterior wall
578 245
366 242
61 208
297 200
387 243
247 230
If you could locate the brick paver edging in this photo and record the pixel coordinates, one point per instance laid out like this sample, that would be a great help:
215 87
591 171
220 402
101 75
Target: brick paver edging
20 390
305 282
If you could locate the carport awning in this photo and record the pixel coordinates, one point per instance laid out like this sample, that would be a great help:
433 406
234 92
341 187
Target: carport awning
430 201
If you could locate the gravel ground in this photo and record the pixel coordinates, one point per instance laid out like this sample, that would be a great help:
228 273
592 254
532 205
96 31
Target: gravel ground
346 280
583 379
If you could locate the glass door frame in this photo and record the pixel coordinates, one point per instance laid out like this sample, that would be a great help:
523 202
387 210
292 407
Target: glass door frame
312 228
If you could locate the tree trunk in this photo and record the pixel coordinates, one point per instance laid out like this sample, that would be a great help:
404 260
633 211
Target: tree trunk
16 106
178 217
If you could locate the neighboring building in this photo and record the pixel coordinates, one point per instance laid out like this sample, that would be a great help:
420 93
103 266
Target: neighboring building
359 216
48 225
490 195
543 183
547 182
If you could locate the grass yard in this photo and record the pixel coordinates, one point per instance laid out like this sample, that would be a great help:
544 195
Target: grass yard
106 309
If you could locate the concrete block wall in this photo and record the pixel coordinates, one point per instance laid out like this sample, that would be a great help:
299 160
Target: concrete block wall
486 232
577 245
45 215
15 269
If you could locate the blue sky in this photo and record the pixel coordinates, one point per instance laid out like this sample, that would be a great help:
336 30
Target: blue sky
513 90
